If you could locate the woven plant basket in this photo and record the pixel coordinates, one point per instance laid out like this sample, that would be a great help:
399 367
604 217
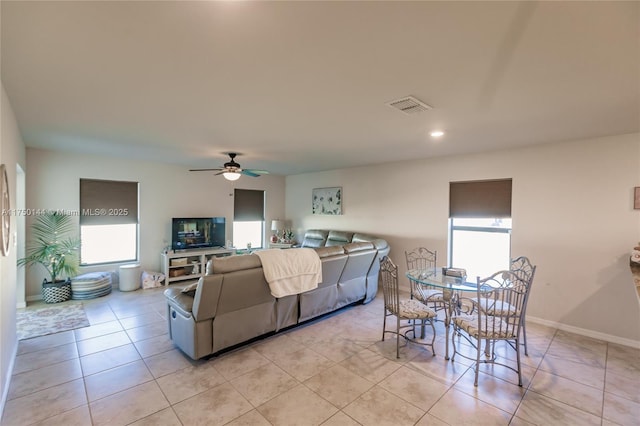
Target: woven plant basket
57 292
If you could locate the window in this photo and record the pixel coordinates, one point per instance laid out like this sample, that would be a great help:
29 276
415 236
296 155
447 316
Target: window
108 221
245 233
108 243
480 226
482 246
248 218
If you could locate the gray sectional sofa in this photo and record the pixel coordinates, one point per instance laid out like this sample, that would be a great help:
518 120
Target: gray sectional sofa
233 304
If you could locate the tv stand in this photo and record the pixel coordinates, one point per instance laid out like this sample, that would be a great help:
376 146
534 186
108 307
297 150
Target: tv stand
189 264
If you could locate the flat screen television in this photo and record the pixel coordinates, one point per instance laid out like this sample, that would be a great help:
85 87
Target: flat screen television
197 233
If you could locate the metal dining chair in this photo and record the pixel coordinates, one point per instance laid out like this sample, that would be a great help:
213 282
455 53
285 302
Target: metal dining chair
403 309
522 267
424 259
503 297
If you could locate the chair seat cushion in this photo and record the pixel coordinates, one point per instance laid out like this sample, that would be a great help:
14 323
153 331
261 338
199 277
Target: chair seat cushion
429 296
495 327
413 309
495 307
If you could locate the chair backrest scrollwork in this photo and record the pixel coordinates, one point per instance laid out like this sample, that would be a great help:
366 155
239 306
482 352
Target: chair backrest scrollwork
502 297
523 268
389 278
421 258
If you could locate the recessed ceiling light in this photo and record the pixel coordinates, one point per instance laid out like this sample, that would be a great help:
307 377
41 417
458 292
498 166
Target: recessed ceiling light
436 133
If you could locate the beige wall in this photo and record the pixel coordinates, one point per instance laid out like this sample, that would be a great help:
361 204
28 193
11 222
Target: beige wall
166 191
12 154
572 215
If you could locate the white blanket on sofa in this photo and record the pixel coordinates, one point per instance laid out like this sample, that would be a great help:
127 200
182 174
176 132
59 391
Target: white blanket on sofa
291 271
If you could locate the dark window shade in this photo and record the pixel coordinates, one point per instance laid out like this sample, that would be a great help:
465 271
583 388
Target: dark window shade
485 198
108 202
248 205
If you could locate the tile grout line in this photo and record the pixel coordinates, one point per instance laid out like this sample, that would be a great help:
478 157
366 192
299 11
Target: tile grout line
528 388
604 385
306 343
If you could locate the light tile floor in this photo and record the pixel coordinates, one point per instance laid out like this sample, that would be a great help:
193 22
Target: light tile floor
123 369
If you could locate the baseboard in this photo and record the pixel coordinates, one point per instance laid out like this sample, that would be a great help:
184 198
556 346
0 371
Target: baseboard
34 298
585 332
21 305
5 391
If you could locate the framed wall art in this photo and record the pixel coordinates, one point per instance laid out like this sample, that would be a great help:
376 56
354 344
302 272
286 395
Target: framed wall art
636 198
326 201
5 205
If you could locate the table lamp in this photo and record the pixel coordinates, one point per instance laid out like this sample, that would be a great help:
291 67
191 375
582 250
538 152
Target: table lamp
276 225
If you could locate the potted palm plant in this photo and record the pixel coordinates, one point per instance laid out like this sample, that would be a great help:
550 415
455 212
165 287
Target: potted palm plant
54 246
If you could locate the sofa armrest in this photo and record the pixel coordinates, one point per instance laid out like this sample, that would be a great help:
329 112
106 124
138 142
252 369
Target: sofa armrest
203 304
181 302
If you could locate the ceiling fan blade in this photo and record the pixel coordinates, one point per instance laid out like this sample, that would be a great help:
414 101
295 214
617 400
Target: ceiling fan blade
257 172
254 173
205 170
233 167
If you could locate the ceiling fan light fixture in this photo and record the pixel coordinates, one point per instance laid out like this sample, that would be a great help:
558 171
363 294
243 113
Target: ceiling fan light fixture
231 175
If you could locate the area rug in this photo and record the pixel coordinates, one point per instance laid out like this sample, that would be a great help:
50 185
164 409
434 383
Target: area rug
50 319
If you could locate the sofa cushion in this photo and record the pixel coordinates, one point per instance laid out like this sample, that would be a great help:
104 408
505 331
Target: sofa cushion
338 238
358 238
315 238
329 251
355 247
223 265
378 243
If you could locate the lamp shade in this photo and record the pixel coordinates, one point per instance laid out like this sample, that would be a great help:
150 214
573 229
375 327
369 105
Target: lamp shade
231 175
277 225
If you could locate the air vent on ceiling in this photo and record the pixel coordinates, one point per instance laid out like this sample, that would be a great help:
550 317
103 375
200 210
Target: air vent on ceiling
409 105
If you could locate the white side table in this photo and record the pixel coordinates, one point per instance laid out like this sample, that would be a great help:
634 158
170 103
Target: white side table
129 277
281 245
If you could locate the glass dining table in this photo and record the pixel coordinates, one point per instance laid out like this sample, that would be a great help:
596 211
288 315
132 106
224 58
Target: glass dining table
452 286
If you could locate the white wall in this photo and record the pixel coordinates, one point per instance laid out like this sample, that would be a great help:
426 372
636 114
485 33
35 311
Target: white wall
572 213
12 154
165 191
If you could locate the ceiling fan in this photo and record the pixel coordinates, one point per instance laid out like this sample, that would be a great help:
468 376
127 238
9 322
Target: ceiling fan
232 170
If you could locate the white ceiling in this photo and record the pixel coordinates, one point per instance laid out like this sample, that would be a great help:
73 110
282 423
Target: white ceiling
303 86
